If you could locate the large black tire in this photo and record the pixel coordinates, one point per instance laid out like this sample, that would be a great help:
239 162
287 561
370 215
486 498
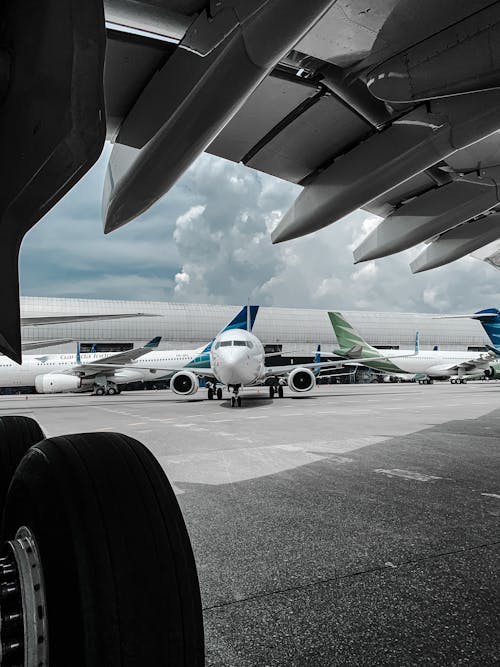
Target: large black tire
17 435
120 577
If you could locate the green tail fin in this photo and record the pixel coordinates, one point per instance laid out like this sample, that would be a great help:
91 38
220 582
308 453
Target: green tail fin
349 339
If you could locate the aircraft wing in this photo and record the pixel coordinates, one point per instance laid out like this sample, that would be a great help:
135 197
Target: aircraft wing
481 362
102 366
391 106
283 370
116 361
387 108
37 344
38 320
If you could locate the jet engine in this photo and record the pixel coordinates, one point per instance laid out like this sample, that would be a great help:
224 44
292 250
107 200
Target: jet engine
54 383
301 379
184 383
491 373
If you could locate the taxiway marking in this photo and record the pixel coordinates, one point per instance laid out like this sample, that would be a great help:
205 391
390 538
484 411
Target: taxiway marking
491 495
407 474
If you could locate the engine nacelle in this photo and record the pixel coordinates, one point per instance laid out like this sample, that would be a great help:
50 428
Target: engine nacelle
301 379
184 383
492 373
55 383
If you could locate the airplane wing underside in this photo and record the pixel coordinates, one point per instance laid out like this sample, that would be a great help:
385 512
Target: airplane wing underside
387 105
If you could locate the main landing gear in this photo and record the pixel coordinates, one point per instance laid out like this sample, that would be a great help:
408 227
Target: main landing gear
276 391
107 389
214 392
458 381
426 381
96 567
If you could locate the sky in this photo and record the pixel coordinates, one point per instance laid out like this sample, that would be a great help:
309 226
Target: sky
208 241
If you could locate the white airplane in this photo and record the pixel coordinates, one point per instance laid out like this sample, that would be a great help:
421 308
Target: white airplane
103 373
237 360
429 364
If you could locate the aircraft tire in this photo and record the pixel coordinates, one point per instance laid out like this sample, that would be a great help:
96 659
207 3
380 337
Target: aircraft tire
17 435
271 391
280 392
219 394
111 391
100 391
233 401
210 394
121 587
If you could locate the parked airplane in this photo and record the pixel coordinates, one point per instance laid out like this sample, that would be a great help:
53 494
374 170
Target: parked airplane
237 360
431 364
490 320
104 373
55 373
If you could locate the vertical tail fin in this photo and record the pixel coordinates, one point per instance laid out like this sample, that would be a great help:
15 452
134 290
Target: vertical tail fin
78 357
348 338
417 342
490 319
317 359
245 319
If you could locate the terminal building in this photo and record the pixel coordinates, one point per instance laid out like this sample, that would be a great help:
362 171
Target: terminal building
292 331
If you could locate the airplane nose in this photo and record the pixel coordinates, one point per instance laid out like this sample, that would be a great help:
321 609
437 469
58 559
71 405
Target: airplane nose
232 366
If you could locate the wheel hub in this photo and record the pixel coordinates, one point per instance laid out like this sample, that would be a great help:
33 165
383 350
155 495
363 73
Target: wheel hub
23 612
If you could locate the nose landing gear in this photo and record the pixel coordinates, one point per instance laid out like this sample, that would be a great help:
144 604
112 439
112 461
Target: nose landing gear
235 398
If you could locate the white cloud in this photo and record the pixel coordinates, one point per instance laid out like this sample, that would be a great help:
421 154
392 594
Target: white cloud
209 240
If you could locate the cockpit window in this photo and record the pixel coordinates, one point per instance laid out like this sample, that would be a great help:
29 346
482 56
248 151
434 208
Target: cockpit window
217 345
250 344
226 343
240 343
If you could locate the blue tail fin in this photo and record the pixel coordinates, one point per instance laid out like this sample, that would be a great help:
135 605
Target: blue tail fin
154 342
317 359
239 322
435 348
417 342
93 349
78 357
490 319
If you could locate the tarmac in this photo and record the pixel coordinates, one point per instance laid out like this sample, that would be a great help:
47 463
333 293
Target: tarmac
355 525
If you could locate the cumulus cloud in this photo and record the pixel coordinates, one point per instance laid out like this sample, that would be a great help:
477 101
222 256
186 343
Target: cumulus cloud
208 240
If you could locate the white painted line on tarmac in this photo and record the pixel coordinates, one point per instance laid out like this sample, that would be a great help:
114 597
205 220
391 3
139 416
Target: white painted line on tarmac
491 495
105 428
218 421
136 424
182 425
407 474
258 417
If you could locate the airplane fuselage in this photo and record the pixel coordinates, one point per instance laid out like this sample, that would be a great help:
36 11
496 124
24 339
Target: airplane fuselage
434 363
142 369
237 358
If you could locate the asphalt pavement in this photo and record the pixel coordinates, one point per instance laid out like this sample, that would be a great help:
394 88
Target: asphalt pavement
356 525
